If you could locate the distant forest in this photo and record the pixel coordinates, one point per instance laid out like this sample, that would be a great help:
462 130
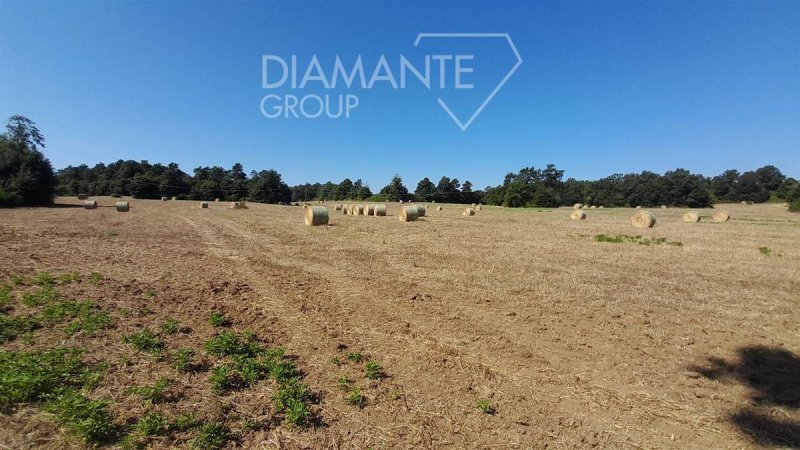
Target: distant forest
27 178
529 187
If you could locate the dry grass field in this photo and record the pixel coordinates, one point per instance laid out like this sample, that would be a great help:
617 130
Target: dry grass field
507 329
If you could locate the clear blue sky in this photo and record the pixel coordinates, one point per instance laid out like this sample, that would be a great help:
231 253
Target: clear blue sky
605 87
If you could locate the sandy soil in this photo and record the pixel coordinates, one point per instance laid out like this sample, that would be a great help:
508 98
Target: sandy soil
574 342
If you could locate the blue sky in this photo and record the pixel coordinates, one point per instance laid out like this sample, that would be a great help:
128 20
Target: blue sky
605 87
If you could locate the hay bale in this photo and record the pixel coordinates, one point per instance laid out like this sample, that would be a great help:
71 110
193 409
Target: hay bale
663 206
90 204
337 207
721 216
638 207
239 205
280 203
203 205
83 196
409 213
578 205
468 212
577 214
358 210
369 210
643 219
174 198
216 200
691 217
743 202
401 202
480 207
421 210
380 210
785 205
122 206
439 208
163 199
474 205
316 215
345 209
600 207
593 206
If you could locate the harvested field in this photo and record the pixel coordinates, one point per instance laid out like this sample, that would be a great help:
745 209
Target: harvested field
513 329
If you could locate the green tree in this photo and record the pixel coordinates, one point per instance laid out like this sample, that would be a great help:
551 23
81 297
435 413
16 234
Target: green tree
26 175
395 190
426 190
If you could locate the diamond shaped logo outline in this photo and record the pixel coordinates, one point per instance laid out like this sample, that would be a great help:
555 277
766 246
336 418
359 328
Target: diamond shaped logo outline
465 125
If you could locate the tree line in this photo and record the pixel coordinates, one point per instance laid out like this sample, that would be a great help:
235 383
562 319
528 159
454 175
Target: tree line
27 178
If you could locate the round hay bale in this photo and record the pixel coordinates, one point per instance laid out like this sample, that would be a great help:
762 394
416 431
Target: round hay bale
90 204
122 206
785 205
468 212
358 210
439 208
280 203
409 213
584 206
216 200
380 210
643 219
743 202
480 207
600 207
577 205
638 207
577 214
174 198
239 205
474 205
691 217
316 215
163 199
345 209
83 196
401 202
721 216
337 207
593 206
421 210
370 210
663 206
433 201
203 205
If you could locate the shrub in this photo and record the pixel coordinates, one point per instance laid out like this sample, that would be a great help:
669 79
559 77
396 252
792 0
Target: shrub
155 393
88 419
145 341
170 326
485 407
32 376
211 436
11 327
373 370
217 319
184 360
356 398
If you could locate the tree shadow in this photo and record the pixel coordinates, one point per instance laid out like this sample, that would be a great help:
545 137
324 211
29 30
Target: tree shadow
773 376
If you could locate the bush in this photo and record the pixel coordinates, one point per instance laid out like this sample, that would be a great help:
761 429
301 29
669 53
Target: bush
795 207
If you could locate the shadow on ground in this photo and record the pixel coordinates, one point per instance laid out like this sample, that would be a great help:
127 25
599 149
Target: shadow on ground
773 376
